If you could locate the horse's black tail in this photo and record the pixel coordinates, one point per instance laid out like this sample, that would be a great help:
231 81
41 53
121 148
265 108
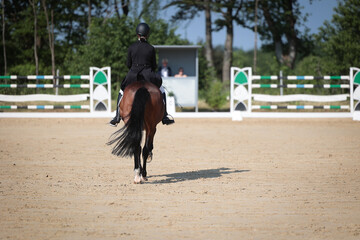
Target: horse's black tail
128 138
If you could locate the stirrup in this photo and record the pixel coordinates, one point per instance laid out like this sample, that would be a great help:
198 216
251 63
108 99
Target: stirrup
167 121
114 122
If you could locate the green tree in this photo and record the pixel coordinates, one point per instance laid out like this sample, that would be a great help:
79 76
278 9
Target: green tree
70 30
106 46
188 9
3 34
216 95
278 26
339 40
229 11
108 42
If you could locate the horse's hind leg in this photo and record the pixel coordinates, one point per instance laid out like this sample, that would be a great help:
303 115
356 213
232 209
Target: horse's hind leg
147 151
145 154
143 170
137 168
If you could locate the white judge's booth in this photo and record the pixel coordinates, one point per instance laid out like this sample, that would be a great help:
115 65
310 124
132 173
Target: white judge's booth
183 89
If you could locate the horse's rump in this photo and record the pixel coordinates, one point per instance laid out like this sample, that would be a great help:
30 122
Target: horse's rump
141 108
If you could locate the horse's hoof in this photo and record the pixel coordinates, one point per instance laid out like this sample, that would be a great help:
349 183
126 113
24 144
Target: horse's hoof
143 179
138 180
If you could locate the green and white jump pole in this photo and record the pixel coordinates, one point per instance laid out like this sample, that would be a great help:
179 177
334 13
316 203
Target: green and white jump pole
243 82
99 96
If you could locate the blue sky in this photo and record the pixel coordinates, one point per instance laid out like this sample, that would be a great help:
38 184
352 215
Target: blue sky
194 30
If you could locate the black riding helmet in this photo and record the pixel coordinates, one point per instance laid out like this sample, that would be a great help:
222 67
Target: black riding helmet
143 30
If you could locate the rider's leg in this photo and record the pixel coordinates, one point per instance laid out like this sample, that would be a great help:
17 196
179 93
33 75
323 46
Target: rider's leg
166 120
117 117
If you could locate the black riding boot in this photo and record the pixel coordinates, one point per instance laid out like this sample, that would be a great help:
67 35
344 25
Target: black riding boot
166 120
114 122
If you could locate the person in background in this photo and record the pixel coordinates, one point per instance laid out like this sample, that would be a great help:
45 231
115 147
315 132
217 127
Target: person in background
165 70
181 73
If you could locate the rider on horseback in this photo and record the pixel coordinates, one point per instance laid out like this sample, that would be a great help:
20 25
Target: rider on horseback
141 61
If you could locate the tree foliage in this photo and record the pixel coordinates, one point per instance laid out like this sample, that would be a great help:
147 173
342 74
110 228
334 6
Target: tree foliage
78 45
339 39
98 32
108 42
279 28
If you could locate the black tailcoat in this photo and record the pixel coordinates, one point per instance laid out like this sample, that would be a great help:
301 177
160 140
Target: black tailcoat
141 61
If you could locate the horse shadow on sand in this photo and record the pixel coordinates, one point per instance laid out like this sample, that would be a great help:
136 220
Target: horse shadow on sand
193 175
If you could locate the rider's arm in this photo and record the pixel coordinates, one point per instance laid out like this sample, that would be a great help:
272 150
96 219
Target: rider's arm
153 61
129 60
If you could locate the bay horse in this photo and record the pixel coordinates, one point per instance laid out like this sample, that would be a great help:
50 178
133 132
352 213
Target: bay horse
141 108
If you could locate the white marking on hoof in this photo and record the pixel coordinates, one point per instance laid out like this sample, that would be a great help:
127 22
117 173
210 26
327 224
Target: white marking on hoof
143 179
137 178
